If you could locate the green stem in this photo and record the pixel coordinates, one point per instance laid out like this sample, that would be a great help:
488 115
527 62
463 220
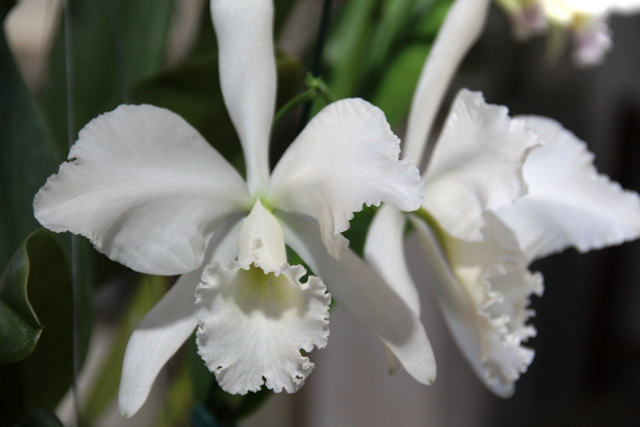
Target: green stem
307 95
433 224
315 86
326 92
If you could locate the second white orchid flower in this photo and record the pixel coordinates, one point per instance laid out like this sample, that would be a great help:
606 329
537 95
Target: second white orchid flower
151 193
499 193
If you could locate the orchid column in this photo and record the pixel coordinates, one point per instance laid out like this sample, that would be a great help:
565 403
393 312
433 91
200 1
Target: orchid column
499 193
151 193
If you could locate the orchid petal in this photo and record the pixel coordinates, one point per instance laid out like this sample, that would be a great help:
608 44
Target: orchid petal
145 188
253 325
460 30
166 327
384 252
366 297
476 165
160 334
483 289
569 203
347 156
244 31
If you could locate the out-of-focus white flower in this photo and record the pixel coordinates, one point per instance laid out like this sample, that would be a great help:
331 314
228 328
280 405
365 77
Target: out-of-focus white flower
527 17
151 193
586 20
499 193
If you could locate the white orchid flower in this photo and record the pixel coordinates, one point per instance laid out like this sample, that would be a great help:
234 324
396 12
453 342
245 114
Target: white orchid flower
495 200
151 193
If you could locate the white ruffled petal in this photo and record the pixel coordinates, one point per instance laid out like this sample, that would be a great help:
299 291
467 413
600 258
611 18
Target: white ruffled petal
476 165
244 31
384 252
347 156
169 323
145 188
460 30
569 203
366 297
253 326
483 289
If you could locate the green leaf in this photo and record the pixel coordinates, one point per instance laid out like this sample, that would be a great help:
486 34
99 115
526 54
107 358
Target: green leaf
19 325
27 156
40 272
430 24
347 46
113 44
394 17
396 88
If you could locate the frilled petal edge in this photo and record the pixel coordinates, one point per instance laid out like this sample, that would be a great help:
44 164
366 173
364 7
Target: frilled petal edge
569 203
483 291
345 158
476 165
252 325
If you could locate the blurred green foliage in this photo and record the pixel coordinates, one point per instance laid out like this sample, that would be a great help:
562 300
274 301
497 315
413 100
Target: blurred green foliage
36 298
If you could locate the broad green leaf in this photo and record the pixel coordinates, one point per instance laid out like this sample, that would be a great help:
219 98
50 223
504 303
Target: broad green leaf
105 388
20 328
393 21
113 44
27 156
347 46
44 376
396 88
